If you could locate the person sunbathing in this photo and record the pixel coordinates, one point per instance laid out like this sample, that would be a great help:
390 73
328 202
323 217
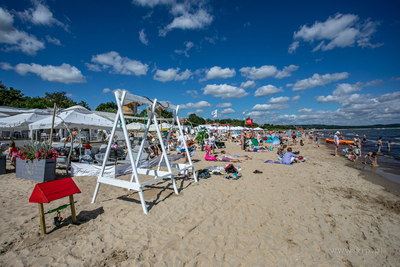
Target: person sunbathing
228 157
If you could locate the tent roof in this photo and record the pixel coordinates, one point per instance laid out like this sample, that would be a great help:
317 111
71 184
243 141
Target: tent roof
74 117
20 121
142 100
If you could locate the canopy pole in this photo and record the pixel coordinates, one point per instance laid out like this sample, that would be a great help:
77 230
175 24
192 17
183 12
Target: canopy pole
52 123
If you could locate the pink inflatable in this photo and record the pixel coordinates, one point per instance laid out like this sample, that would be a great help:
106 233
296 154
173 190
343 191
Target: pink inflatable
208 157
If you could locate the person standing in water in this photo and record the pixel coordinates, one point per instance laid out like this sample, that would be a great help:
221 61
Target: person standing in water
389 146
364 138
337 142
379 144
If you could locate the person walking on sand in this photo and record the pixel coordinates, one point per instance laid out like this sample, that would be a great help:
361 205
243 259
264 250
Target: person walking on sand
379 144
337 142
242 138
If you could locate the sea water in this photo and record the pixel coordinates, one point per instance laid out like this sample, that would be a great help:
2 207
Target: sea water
389 162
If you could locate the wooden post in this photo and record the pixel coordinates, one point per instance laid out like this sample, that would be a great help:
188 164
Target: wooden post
42 222
52 124
71 202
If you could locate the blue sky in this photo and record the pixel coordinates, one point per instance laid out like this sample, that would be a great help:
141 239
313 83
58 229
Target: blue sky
280 62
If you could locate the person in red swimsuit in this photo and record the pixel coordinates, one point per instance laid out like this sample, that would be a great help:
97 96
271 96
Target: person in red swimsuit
12 152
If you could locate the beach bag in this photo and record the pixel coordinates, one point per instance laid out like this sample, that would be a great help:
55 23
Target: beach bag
203 174
230 169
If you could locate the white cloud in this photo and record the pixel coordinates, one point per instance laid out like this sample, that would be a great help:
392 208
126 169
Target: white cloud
318 80
224 105
228 111
53 40
338 31
293 47
279 100
5 66
218 73
295 98
345 88
188 14
93 67
40 15
286 72
257 74
172 75
326 99
106 90
63 74
268 107
355 109
120 65
395 79
201 104
192 93
248 84
188 45
198 112
304 110
267 90
188 21
17 40
224 91
143 37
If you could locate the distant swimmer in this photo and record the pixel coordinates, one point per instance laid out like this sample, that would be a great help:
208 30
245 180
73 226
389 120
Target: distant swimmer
364 139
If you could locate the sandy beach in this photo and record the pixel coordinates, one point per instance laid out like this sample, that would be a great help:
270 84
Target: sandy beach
318 213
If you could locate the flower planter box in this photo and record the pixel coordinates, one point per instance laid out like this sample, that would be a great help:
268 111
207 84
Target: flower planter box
2 164
43 170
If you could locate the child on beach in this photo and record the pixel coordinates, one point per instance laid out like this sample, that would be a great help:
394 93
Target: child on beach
379 144
369 155
316 140
12 152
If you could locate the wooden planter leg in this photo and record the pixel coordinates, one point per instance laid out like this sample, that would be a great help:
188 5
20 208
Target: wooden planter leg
71 202
42 222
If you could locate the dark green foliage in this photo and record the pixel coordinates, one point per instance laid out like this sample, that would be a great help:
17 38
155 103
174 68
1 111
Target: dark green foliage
107 107
11 97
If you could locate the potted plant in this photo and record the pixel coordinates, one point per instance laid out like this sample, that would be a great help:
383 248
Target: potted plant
200 138
36 162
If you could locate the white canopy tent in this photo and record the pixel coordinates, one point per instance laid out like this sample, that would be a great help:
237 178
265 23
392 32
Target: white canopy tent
73 117
164 125
3 115
125 98
21 121
135 126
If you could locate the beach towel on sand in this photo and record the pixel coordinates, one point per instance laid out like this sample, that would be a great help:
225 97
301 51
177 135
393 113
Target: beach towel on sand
277 162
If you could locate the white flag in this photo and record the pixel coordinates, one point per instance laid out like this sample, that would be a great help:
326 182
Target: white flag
214 113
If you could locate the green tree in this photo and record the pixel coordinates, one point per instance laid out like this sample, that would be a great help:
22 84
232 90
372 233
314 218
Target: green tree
11 97
195 120
37 102
107 107
60 98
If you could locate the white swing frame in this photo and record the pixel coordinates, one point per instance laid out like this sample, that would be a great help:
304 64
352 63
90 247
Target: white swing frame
134 183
